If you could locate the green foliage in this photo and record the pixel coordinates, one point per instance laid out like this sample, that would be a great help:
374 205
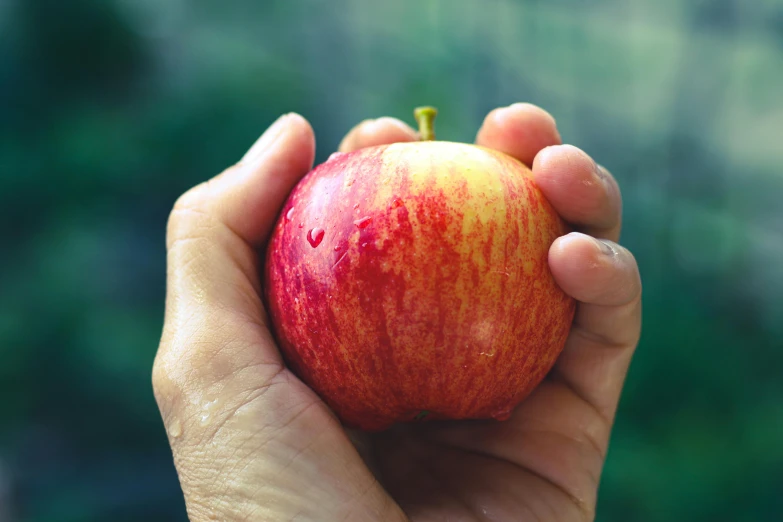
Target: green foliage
109 109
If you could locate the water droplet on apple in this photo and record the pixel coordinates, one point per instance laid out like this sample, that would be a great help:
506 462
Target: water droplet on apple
364 245
301 225
336 248
296 300
334 155
363 222
356 206
315 236
289 214
396 203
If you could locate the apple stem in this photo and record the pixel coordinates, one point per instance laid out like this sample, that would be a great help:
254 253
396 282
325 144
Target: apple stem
425 117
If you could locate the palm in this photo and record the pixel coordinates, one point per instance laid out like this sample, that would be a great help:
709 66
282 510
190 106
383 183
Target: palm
527 468
541 465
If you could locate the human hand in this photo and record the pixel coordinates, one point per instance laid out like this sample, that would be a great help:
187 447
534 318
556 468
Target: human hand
252 442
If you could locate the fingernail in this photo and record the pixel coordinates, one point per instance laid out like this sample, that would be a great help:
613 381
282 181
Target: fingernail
599 170
606 247
267 139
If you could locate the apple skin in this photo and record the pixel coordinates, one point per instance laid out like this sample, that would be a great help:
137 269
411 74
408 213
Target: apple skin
411 281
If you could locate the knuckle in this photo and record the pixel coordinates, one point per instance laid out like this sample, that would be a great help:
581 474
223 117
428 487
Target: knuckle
192 198
174 381
207 348
164 389
179 355
190 215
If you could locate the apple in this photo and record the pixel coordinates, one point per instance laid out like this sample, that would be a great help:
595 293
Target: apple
410 281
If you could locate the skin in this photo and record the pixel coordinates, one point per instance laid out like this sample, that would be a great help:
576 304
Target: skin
252 442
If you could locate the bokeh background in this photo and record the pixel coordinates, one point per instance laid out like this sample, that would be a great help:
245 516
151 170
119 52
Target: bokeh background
109 109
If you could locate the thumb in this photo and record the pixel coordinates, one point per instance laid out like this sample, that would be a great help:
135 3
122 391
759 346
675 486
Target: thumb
249 440
215 325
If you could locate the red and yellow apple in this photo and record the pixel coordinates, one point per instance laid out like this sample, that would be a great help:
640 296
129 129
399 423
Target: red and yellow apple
411 281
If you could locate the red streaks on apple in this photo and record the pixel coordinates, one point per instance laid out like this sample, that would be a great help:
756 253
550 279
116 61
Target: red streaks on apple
447 265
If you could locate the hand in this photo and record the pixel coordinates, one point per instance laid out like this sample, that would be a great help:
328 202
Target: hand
252 442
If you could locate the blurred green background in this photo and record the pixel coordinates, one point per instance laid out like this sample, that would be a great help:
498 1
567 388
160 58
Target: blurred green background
109 109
